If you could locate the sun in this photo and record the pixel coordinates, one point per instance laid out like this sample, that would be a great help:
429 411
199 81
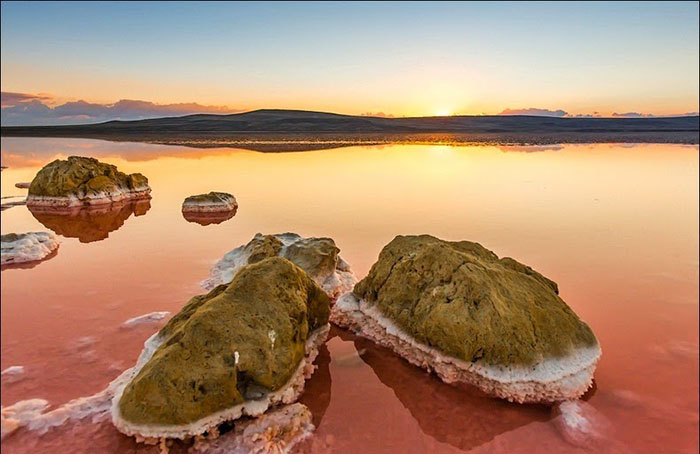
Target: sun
443 113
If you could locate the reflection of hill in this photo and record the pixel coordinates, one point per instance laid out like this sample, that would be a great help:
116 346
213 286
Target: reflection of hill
209 218
89 224
460 416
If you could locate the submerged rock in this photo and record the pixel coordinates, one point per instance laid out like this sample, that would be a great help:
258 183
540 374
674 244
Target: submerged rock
12 374
26 247
80 181
317 256
275 432
235 351
457 309
213 202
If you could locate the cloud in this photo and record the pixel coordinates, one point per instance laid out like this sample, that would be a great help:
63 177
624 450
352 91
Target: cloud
536 112
21 109
10 99
643 115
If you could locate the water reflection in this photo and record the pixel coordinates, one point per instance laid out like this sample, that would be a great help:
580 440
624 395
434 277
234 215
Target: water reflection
209 218
460 416
89 224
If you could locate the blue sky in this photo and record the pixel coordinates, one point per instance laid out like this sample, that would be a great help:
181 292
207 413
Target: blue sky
395 58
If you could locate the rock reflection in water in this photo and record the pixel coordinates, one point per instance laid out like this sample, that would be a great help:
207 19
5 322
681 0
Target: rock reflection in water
208 218
460 416
89 224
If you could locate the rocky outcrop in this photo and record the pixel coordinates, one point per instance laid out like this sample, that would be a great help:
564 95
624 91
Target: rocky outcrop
319 257
27 247
80 181
213 202
456 309
235 351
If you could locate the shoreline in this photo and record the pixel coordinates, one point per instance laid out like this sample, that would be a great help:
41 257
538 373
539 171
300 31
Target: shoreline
292 142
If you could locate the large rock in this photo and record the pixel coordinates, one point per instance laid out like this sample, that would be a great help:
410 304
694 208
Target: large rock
235 351
317 256
80 181
457 309
27 247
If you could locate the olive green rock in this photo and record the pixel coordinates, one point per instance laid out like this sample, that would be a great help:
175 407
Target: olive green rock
236 343
460 298
217 198
80 177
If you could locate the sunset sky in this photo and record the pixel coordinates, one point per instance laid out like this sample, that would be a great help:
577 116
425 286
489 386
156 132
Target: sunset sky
401 59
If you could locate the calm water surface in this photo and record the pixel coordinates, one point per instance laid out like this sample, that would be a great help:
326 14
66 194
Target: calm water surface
616 226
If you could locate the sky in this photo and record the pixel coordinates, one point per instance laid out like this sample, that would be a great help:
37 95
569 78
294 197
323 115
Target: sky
84 62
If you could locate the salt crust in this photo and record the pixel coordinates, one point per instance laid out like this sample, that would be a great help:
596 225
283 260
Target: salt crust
31 247
146 318
277 431
335 284
288 393
550 380
98 198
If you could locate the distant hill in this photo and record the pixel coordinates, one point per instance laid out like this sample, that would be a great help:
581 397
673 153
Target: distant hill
283 123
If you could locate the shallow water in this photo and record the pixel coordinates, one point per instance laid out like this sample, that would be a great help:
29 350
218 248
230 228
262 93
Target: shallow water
614 225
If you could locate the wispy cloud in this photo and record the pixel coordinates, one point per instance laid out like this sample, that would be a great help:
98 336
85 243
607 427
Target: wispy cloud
29 109
643 115
535 111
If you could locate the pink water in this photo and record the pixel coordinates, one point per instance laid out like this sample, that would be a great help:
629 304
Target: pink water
616 226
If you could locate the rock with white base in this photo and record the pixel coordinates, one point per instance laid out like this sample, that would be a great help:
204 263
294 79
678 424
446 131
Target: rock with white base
212 202
233 352
319 257
26 247
81 181
456 309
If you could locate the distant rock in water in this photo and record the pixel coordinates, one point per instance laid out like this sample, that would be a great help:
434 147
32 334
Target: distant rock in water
27 247
80 181
456 309
317 256
235 351
22 185
146 318
88 224
213 202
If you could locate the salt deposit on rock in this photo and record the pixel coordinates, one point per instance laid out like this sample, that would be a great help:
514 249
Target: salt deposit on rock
26 247
456 309
275 432
13 374
215 361
146 318
317 256
213 202
80 181
20 414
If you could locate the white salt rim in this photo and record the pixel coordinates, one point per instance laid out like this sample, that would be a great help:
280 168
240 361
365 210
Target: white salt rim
334 284
32 247
551 379
288 393
98 198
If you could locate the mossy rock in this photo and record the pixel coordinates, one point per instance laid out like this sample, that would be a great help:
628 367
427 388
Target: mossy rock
317 256
460 298
211 198
80 177
239 341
